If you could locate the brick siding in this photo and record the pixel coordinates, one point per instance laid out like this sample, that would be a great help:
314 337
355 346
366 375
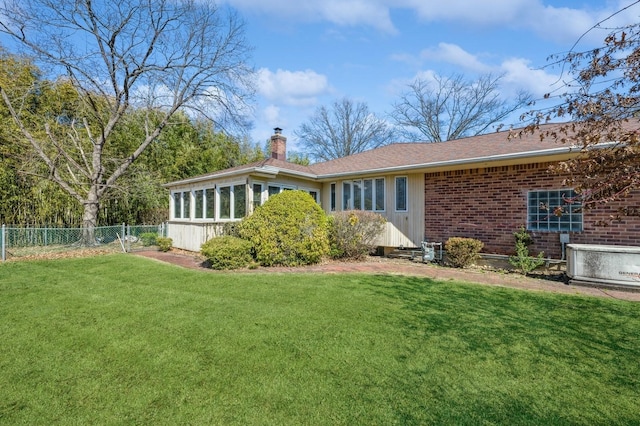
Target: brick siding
490 204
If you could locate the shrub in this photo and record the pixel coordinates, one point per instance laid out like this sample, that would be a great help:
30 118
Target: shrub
462 252
227 252
522 261
353 233
148 238
231 229
289 229
164 243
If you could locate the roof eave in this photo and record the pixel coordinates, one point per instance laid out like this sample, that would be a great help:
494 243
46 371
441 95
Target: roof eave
553 152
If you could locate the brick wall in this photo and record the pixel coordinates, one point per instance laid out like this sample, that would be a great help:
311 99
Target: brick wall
490 204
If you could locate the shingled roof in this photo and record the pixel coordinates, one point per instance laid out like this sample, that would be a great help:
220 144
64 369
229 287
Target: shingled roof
399 157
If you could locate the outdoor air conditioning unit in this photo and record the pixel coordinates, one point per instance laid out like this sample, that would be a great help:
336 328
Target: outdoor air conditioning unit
604 264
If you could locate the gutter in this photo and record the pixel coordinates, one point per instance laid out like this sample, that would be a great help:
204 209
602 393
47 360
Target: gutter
466 161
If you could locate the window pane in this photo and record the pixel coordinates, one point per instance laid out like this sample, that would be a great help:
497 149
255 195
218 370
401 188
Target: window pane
401 194
225 202
273 190
314 195
379 194
177 205
357 195
346 195
239 201
210 195
368 194
257 195
199 204
186 203
333 197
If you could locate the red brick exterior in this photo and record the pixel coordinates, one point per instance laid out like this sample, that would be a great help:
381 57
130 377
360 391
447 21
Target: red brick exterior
490 204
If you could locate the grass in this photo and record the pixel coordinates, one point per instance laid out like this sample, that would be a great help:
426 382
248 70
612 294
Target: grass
119 339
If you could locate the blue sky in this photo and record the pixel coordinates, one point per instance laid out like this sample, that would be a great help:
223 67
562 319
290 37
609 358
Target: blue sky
311 52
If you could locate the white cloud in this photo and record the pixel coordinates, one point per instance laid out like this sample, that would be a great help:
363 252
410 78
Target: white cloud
340 12
561 24
292 87
454 55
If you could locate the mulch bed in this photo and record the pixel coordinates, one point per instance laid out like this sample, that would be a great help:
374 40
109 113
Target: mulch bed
554 282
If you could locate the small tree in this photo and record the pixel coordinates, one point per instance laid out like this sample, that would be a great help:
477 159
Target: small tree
522 261
289 229
600 108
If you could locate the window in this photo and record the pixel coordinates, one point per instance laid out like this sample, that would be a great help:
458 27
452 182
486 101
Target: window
181 205
365 194
239 201
401 194
379 200
233 201
333 197
346 196
556 210
210 201
177 205
199 204
225 202
257 195
273 190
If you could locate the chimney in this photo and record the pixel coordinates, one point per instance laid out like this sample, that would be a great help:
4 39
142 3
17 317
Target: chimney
278 145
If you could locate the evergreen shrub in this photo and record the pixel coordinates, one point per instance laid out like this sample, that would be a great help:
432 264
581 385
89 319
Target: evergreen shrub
289 229
227 252
462 252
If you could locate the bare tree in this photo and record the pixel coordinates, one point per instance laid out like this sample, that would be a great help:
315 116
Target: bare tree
161 56
600 112
447 108
347 128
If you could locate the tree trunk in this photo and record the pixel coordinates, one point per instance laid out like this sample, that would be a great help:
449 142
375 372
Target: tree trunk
89 221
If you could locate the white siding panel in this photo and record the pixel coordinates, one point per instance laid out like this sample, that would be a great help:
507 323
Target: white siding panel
190 236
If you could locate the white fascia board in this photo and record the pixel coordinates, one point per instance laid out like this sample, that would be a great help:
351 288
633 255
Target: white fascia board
264 172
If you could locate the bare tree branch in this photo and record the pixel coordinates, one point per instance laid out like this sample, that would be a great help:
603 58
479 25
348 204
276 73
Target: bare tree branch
347 128
449 108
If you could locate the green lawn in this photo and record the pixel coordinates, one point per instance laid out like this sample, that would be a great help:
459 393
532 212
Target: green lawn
119 339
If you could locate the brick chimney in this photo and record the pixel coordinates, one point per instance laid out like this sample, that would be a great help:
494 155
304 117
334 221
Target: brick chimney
278 145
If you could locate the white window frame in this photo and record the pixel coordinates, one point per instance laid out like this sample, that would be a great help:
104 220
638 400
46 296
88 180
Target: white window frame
232 216
360 185
406 193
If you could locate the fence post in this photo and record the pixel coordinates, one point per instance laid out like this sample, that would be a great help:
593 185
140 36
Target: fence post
2 241
128 238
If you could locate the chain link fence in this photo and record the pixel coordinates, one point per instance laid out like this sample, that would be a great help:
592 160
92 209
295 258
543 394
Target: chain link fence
27 242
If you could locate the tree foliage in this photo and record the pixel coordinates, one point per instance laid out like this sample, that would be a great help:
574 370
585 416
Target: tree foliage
106 59
447 108
346 128
600 109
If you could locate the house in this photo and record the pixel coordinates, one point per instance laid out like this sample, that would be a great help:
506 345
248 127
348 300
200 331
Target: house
482 187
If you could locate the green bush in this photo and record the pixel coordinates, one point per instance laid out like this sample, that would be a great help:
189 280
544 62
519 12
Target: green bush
227 252
164 243
462 252
289 229
353 233
148 238
522 261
